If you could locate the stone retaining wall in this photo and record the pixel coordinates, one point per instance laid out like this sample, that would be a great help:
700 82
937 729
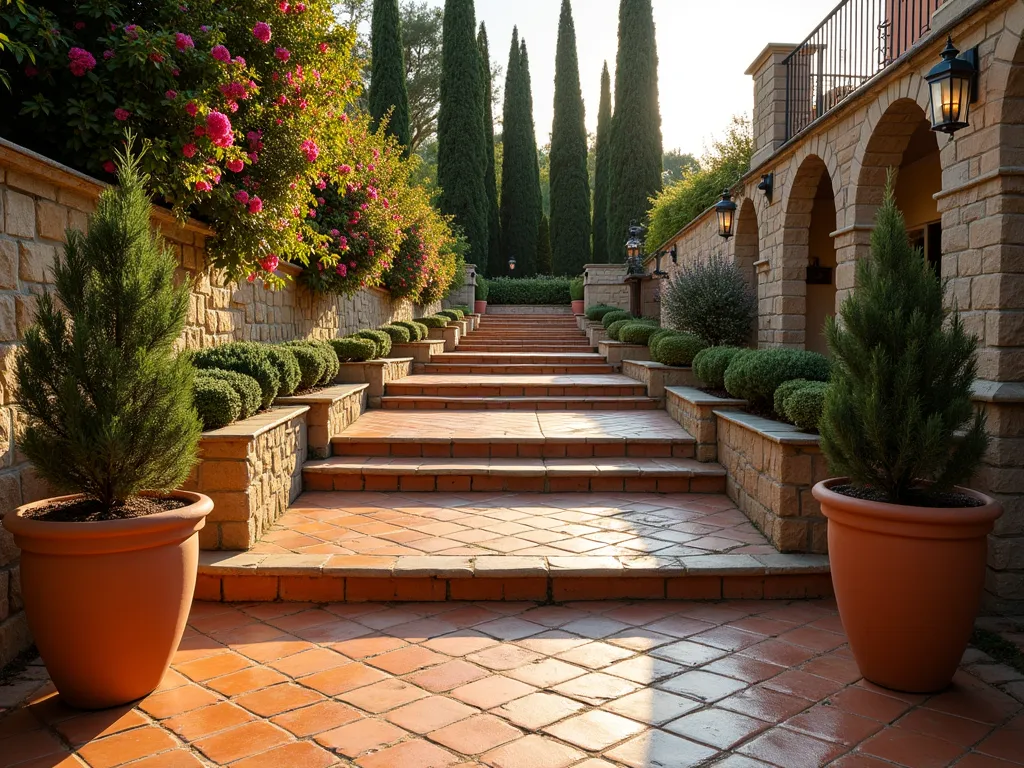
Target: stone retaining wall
617 351
771 468
376 374
331 412
657 376
605 284
695 412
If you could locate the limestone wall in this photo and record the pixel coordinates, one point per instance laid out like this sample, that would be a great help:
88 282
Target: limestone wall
604 284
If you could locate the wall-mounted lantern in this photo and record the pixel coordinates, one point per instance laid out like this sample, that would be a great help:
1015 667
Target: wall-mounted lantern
953 86
674 255
657 265
726 210
512 263
767 186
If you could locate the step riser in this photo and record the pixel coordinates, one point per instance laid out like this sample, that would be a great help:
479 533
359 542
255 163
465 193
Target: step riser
441 369
411 389
469 404
552 449
470 358
525 348
426 482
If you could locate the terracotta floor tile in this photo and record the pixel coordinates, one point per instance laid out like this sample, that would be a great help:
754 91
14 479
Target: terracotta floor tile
492 691
94 725
406 660
533 752
595 730
538 709
803 684
1006 744
124 747
703 686
595 655
654 707
430 714
176 701
382 696
596 688
317 718
553 642
640 639
861 701
243 741
207 720
911 749
984 761
213 666
461 643
360 648
29 746
727 638
833 724
298 755
445 677
833 667
778 652
744 668
688 654
501 658
987 705
957 730
546 673
409 754
251 679
278 698
342 679
789 748
715 727
475 735
309 662
765 704
657 748
360 736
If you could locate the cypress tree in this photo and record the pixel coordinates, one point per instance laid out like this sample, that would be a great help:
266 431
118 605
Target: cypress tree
493 217
544 258
535 197
570 183
635 161
461 156
387 80
604 124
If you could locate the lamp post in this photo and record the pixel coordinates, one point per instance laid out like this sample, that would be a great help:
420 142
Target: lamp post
952 85
726 211
511 263
634 250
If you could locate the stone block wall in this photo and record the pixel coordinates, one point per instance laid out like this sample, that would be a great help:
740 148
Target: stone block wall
376 374
605 284
466 295
695 412
331 412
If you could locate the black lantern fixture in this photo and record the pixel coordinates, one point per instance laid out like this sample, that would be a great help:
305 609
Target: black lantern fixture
726 210
767 186
634 250
953 86
512 263
674 255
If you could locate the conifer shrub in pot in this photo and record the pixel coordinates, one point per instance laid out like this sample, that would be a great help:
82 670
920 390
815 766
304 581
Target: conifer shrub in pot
907 545
109 571
576 293
482 289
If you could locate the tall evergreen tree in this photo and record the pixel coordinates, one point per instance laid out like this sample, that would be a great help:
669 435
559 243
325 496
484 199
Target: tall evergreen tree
570 181
635 161
544 258
601 149
461 155
520 174
490 180
387 80
535 197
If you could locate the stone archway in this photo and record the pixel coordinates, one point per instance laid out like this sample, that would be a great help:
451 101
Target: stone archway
747 246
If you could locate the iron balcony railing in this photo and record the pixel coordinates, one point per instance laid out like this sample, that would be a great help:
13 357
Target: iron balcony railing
854 42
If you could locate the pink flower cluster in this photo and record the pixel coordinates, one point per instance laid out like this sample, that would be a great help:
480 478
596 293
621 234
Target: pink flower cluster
218 129
81 62
220 53
270 263
310 149
282 53
261 32
122 114
183 41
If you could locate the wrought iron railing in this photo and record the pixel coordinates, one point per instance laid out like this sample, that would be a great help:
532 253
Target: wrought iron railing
854 42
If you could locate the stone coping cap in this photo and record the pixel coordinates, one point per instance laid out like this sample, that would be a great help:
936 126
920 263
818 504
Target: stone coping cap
768 50
611 343
514 467
254 426
423 343
657 366
327 395
699 397
502 566
998 391
381 361
776 431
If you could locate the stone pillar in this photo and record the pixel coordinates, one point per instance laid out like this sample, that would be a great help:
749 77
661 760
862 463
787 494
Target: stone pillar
769 122
466 295
605 284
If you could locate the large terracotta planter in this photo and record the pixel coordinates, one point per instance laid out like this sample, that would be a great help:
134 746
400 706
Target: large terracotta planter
577 307
480 307
107 601
908 583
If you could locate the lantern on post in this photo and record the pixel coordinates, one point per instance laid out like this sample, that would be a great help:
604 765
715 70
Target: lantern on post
952 84
634 250
726 211
511 263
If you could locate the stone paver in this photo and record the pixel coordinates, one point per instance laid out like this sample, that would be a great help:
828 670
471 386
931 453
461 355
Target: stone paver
740 684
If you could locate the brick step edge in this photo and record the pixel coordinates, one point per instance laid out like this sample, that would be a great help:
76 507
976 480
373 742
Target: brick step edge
244 577
468 403
515 447
411 481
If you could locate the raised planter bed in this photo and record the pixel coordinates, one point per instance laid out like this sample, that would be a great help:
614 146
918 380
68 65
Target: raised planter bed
597 333
449 335
771 469
252 470
375 373
617 351
418 351
694 410
462 325
529 309
331 412
658 376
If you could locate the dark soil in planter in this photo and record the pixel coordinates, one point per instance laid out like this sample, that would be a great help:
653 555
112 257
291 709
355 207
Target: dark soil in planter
91 511
917 498
716 393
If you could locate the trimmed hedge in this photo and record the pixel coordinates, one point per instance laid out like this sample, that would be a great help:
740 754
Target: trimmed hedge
614 316
414 331
380 338
399 334
637 333
246 387
216 401
597 312
785 389
333 365
710 365
245 357
454 314
755 376
311 361
658 335
804 406
434 321
677 349
287 368
529 290
618 325
353 350
421 329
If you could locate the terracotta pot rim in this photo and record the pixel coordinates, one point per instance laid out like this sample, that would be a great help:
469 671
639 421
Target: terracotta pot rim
19 524
886 511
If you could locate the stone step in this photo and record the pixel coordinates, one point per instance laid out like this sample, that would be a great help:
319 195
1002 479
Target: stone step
517 358
541 348
612 475
520 369
516 386
428 403
511 434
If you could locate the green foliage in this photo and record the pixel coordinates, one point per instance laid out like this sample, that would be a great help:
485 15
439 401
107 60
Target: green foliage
618 325
422 38
602 171
287 368
520 173
576 288
544 247
657 336
677 165
417 331
490 178
529 290
678 349
246 357
614 316
108 403
246 387
785 389
685 200
462 156
483 288
451 314
635 146
311 362
570 180
899 411
756 375
331 363
216 402
434 321
711 364
804 405
388 98
399 334
353 350
597 312
712 300
381 338
637 333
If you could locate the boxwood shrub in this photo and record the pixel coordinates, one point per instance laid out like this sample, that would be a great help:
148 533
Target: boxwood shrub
353 350
755 376
677 349
380 338
333 365
434 321
528 290
311 361
415 332
784 390
710 364
246 387
637 332
454 314
287 368
805 404
216 401
399 334
618 325
598 311
245 357
421 329
658 335
615 316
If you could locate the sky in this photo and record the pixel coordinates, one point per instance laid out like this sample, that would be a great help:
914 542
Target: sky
703 48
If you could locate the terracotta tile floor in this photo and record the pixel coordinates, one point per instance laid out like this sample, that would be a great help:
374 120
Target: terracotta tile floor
581 685
550 525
